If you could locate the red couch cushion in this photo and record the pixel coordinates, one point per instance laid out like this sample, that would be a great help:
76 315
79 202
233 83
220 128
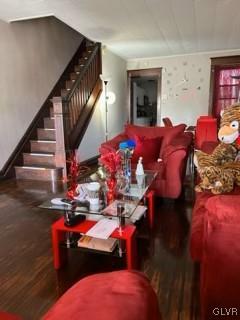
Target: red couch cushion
167 133
146 148
119 295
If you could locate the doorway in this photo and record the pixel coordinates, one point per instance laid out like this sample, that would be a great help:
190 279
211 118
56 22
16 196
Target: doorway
144 96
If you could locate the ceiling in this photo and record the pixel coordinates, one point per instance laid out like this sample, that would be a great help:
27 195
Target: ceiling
142 28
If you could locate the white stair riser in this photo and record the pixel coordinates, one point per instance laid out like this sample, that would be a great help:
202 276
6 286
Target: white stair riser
43 146
38 174
29 159
46 134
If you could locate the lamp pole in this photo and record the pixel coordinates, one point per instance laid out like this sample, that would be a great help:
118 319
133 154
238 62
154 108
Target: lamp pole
106 111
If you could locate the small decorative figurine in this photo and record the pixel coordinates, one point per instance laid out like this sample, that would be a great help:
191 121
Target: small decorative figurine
140 176
139 170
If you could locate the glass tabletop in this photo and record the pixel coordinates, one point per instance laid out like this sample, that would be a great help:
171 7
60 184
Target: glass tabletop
129 200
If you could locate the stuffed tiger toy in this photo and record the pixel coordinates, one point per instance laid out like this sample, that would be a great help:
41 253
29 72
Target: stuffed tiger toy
219 179
223 153
228 134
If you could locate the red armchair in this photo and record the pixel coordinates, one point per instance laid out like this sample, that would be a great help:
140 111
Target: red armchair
167 122
169 161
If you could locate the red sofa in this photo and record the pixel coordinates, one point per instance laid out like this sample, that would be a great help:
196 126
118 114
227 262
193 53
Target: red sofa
215 243
164 149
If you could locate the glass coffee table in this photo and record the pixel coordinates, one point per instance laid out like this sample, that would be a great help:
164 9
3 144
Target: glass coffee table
62 232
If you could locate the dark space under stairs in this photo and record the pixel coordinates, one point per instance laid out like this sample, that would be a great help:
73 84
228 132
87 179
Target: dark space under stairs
40 162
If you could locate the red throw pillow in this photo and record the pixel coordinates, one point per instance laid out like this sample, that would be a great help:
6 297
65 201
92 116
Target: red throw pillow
168 134
148 149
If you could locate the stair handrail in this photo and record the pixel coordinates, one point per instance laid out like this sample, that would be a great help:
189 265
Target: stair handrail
81 73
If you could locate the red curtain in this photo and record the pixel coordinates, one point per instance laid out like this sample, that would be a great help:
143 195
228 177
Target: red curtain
226 89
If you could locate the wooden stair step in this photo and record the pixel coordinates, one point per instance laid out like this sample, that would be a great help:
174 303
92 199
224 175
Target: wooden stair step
36 158
46 134
82 61
85 56
49 123
73 76
69 84
42 173
43 146
78 68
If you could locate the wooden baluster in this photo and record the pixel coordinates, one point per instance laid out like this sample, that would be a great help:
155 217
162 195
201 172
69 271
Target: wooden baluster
80 97
74 109
78 101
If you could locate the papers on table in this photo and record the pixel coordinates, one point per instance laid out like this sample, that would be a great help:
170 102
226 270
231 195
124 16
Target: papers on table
103 228
97 244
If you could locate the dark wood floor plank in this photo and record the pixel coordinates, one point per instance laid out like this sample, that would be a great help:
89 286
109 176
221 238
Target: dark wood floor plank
29 285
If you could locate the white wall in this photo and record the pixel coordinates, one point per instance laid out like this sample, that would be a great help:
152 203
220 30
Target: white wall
114 67
33 54
183 102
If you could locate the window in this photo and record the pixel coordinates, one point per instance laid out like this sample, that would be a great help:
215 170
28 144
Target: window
225 83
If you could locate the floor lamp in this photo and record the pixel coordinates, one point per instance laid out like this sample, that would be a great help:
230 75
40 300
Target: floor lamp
106 81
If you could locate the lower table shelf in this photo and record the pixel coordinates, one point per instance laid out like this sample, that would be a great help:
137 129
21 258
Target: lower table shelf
128 236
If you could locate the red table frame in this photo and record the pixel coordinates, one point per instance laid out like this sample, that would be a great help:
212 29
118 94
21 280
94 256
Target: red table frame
128 234
150 196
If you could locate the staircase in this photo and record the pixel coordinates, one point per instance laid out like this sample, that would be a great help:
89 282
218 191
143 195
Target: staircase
40 163
63 119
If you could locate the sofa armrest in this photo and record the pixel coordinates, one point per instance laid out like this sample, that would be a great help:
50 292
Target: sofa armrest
175 160
220 277
112 145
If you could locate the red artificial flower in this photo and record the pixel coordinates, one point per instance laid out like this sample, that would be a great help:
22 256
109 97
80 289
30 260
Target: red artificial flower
111 161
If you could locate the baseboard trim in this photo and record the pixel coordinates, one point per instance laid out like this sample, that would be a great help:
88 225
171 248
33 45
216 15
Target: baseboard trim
90 162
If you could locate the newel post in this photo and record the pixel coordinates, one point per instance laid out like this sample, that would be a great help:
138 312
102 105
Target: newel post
61 143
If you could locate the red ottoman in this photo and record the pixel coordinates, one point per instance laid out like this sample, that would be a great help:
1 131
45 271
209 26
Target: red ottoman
119 295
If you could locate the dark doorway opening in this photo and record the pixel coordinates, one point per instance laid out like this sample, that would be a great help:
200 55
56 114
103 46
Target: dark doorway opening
144 96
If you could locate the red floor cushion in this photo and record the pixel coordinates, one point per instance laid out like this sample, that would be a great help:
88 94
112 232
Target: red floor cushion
119 295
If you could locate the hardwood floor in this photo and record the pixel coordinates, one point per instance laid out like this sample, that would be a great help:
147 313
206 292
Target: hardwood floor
29 283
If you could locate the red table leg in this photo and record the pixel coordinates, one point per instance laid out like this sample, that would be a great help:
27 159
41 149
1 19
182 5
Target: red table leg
150 197
56 249
131 252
